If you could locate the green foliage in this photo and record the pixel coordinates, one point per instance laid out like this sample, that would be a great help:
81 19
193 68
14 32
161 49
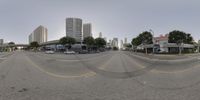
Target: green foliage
89 41
34 44
144 37
128 45
115 48
67 40
11 43
180 37
136 41
100 42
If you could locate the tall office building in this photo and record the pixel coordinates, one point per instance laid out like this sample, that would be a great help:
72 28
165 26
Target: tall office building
39 35
74 28
121 44
100 35
125 40
115 42
1 41
87 30
105 39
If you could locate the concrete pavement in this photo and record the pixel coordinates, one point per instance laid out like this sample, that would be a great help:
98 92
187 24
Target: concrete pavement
111 75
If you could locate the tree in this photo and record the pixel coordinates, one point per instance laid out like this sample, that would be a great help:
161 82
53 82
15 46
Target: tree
67 41
135 42
143 38
100 42
146 37
115 48
180 36
11 43
128 45
34 45
89 41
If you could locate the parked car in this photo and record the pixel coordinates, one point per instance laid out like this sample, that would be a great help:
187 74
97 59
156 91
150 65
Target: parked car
69 52
83 52
49 52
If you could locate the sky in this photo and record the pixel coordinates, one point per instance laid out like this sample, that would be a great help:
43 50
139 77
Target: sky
114 18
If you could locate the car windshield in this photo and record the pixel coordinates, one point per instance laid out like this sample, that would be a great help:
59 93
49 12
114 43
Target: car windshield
99 50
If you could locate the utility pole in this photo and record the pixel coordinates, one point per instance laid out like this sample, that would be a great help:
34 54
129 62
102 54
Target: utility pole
198 46
153 40
180 43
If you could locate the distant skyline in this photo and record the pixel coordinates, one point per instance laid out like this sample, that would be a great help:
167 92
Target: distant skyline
122 18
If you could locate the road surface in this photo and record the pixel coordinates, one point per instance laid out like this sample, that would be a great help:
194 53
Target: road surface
114 75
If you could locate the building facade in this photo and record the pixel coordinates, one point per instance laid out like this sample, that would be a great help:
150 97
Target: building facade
125 40
1 41
162 40
87 30
121 44
39 35
74 28
115 42
100 35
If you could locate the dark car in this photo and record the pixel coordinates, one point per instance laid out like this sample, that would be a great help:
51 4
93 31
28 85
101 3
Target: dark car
83 52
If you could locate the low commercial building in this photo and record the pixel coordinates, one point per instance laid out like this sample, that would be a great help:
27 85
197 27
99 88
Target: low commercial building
162 41
169 48
161 45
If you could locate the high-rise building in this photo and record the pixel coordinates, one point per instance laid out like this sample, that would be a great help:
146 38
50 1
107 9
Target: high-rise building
115 42
100 35
39 35
31 37
1 41
110 41
125 40
105 39
74 28
87 30
121 44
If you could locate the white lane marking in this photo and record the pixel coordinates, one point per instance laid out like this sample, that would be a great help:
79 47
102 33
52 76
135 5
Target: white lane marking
73 60
89 74
3 58
173 72
174 60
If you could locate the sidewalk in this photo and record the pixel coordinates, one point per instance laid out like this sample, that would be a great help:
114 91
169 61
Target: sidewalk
167 56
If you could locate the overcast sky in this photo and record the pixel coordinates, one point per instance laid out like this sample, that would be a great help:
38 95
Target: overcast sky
114 18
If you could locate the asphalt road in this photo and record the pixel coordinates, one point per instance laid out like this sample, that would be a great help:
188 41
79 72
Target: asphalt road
115 75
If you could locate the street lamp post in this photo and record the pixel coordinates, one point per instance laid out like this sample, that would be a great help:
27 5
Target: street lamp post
153 40
198 46
180 43
145 46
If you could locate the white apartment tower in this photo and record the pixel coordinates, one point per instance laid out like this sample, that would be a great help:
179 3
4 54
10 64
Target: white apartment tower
74 28
87 30
39 35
